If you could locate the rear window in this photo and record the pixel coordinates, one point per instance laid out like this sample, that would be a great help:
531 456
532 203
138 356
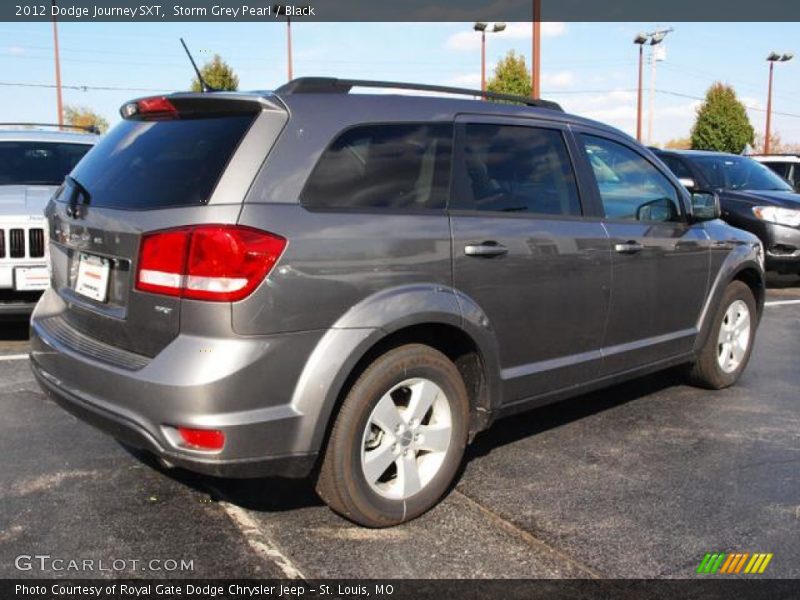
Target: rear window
392 167
38 163
160 164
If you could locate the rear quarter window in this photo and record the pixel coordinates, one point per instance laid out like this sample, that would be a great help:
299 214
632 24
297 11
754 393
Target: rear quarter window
386 166
161 164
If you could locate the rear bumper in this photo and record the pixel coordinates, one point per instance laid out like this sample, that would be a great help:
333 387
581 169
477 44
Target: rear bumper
242 387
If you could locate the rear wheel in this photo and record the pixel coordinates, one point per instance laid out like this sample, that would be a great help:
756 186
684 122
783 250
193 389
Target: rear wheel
730 343
398 440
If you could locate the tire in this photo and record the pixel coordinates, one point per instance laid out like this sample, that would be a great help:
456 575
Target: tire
719 365
379 424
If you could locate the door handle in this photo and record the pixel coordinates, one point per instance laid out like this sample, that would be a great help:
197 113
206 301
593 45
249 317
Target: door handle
629 247
485 249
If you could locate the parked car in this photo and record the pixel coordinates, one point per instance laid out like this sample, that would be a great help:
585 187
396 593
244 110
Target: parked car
752 197
351 286
33 164
785 165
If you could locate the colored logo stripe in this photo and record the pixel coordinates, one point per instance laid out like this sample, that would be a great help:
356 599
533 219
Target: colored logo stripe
734 562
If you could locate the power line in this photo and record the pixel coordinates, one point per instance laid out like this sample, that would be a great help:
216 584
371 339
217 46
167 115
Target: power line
84 88
756 108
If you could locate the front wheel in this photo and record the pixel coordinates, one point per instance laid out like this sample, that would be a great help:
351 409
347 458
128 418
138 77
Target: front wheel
398 439
727 350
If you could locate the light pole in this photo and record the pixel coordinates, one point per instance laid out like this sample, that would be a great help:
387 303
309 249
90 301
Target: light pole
640 40
536 50
59 103
656 37
772 59
482 28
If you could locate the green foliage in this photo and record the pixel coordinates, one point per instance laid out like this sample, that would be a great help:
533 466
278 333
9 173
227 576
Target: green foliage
511 76
83 116
722 123
218 74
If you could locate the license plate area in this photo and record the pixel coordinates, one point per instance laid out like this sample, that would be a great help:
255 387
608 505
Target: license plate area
93 275
31 279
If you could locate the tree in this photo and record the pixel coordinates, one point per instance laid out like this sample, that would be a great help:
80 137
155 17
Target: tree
218 74
82 116
722 123
511 76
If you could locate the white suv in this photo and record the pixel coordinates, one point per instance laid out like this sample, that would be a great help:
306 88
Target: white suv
785 165
33 163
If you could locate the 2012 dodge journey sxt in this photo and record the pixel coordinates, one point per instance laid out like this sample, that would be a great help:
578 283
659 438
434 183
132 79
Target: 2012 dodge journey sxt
313 282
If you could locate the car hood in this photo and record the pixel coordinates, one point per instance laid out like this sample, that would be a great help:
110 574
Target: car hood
769 197
22 200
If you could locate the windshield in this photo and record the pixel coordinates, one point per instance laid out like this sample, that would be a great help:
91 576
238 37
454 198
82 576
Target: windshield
38 163
739 173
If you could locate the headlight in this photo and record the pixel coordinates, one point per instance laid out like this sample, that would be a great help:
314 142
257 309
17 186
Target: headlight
781 216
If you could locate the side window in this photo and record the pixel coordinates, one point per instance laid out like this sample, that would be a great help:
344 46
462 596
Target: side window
630 187
404 166
522 169
677 166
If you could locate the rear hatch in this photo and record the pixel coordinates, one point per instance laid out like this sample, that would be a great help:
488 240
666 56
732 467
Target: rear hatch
172 162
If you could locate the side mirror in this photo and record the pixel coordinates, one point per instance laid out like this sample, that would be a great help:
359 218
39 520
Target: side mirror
661 209
687 182
705 206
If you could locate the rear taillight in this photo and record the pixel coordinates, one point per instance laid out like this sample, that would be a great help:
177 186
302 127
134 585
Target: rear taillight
219 263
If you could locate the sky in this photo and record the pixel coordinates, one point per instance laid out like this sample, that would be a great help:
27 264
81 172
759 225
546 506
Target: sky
590 68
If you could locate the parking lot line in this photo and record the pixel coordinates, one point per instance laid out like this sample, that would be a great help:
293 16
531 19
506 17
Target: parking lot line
529 538
260 542
14 357
781 302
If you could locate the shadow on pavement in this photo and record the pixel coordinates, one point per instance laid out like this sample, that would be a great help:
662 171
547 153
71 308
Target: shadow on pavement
270 494
14 331
539 420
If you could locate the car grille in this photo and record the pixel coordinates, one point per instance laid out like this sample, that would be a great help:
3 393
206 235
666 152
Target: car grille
22 243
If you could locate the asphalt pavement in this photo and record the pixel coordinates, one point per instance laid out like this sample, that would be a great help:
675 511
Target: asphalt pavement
639 480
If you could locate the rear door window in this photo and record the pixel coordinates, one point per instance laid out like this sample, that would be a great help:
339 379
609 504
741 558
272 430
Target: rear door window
160 164
387 166
515 169
38 163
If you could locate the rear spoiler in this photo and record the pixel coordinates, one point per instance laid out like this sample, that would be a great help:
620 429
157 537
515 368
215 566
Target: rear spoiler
195 105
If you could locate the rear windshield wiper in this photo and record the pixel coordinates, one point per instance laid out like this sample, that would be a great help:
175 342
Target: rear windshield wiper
77 191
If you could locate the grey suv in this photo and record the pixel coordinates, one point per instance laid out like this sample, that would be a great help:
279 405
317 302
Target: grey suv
351 286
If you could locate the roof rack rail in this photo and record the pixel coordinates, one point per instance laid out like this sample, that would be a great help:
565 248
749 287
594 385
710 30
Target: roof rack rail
86 128
331 85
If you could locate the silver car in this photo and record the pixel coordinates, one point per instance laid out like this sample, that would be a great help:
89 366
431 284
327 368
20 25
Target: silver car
33 164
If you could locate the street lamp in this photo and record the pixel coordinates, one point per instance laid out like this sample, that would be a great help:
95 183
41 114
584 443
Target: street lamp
536 49
640 40
483 28
772 59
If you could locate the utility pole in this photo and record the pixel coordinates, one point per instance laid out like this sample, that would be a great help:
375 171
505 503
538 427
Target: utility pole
656 54
59 103
640 40
772 59
536 50
289 47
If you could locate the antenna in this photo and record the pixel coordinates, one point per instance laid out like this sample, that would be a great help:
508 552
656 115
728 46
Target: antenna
204 87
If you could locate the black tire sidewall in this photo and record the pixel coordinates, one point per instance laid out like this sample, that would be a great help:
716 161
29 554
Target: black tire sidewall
399 365
736 291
